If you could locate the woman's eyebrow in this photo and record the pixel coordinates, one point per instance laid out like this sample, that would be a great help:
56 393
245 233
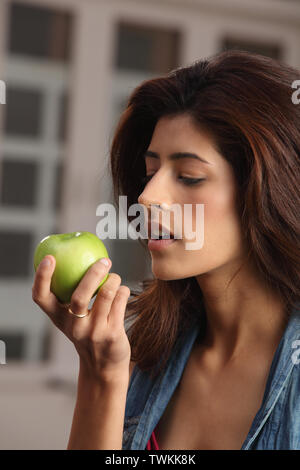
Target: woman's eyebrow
176 156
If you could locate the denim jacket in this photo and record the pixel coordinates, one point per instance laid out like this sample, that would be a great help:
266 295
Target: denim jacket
277 422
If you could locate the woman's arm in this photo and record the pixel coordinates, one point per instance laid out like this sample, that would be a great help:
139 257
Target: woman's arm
104 351
99 412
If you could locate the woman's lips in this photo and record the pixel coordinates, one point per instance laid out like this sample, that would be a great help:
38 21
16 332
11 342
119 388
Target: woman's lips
155 245
158 227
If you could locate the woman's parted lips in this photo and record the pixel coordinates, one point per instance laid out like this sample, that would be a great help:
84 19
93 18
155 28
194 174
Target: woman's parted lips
158 227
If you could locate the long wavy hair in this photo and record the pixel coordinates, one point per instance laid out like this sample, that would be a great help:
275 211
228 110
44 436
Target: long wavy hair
245 101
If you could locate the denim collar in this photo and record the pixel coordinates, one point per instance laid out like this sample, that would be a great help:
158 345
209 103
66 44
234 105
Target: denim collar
279 374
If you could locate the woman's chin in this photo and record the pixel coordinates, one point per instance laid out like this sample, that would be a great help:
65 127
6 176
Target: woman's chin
165 273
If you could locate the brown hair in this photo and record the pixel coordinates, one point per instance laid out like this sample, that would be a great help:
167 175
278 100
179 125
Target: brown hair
245 101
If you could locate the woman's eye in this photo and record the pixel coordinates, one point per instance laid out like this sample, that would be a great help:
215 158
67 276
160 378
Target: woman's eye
185 180
190 181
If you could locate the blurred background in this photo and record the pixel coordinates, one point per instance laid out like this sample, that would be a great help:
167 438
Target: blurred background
69 66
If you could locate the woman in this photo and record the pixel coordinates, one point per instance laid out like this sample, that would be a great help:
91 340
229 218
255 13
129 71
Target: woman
209 360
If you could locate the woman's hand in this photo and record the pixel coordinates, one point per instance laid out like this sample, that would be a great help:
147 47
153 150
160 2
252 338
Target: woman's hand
99 338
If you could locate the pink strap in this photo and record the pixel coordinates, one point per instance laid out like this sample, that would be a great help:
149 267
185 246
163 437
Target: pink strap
152 443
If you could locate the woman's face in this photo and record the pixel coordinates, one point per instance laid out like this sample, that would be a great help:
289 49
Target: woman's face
220 225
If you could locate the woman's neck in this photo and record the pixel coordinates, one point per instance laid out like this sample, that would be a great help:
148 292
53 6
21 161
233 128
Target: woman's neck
241 314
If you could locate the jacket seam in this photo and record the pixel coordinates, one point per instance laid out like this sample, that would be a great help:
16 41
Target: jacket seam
269 411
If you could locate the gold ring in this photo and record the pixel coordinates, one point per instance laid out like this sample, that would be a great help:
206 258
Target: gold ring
76 314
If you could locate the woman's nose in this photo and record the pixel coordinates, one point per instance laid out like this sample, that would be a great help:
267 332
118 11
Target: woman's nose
149 196
149 202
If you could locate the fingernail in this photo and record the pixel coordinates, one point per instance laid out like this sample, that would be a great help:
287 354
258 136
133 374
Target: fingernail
105 261
45 262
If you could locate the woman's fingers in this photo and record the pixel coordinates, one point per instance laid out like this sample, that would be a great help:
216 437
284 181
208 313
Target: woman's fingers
84 291
118 308
109 305
99 337
102 304
41 293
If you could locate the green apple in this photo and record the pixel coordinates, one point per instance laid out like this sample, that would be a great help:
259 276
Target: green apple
74 252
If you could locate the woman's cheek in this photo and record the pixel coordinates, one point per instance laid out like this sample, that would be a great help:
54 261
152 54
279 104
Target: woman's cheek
221 225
